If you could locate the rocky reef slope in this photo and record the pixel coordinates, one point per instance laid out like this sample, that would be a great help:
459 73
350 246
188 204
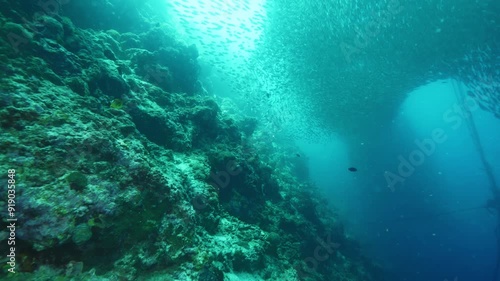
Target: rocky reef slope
127 170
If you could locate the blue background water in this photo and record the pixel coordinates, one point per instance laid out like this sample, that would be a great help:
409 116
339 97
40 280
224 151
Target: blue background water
457 243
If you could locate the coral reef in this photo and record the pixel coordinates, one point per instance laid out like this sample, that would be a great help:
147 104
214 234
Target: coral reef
127 171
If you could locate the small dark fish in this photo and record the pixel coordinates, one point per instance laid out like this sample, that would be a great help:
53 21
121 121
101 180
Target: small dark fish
352 169
298 155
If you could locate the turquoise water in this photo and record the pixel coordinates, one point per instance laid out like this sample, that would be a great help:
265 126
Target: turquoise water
228 140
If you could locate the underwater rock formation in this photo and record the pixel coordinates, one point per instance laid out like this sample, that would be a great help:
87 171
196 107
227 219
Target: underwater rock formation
126 171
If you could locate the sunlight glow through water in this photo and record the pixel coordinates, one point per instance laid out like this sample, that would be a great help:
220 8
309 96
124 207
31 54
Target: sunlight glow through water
221 29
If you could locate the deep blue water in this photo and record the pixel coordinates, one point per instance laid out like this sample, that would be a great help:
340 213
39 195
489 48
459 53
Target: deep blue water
432 226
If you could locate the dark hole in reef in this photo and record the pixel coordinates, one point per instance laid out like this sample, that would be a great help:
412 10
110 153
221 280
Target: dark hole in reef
29 260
